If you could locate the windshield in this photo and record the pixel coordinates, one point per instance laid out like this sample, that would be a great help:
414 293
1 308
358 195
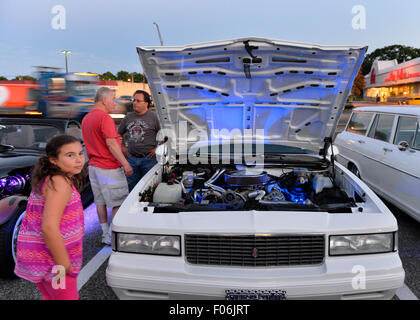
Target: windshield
28 136
81 88
245 153
246 148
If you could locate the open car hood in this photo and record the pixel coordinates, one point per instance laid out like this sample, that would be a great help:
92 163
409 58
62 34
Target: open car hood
281 92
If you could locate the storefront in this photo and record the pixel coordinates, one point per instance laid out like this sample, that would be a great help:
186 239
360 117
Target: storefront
124 88
389 81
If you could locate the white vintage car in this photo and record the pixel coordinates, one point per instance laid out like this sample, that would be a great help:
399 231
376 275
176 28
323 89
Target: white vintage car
245 202
381 145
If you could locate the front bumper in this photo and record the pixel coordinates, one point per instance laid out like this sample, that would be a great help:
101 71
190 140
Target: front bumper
136 276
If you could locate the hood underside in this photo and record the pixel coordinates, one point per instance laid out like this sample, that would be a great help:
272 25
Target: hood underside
278 92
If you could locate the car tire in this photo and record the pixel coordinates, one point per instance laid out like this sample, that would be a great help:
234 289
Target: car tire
8 240
355 171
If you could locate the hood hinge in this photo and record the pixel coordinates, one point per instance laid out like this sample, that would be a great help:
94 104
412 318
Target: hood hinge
328 143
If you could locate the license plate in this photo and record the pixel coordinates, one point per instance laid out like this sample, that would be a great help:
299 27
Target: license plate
238 294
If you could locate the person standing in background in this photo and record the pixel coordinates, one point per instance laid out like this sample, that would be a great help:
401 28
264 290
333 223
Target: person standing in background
139 129
108 167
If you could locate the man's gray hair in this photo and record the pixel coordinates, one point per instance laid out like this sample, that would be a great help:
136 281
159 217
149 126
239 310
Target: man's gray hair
102 92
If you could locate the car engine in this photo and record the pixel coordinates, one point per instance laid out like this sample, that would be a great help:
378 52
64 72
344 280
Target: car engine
209 188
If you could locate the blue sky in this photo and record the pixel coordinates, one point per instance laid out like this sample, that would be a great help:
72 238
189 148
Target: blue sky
103 35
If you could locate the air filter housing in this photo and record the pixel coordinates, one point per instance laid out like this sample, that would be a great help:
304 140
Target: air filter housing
245 177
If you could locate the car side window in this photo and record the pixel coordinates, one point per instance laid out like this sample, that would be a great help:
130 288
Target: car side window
74 130
359 122
382 127
406 130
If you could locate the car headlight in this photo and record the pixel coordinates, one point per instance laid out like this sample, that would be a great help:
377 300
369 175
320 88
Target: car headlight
12 185
148 244
363 244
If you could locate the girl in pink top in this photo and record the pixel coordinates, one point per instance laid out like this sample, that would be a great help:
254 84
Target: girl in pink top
50 241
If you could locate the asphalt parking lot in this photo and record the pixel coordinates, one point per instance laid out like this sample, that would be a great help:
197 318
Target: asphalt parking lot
409 248
93 271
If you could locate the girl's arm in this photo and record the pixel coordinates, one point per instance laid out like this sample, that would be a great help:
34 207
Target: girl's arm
55 202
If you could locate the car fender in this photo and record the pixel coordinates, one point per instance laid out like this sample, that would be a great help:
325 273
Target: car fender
354 163
8 206
346 161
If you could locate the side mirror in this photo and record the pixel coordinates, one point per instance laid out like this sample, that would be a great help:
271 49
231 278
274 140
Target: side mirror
403 145
162 154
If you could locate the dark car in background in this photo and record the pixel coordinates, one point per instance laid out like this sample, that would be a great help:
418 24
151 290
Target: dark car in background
22 143
125 99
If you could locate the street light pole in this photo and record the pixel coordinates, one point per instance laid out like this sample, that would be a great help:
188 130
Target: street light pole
65 53
160 37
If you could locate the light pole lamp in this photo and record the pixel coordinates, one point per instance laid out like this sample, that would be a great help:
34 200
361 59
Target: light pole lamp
65 53
160 37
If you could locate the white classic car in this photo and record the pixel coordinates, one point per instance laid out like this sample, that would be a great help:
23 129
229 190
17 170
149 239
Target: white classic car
245 202
381 145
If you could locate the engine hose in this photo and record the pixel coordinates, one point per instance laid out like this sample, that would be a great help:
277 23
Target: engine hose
209 183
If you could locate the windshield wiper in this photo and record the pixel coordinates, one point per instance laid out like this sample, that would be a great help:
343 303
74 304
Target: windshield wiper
295 158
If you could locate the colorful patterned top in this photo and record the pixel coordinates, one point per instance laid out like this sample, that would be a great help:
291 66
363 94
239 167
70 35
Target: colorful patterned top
34 260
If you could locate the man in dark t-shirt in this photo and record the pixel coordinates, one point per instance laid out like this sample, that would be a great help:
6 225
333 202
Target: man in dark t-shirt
139 129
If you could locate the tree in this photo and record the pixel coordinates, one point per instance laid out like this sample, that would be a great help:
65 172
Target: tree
396 51
359 84
27 78
123 75
139 77
108 76
3 78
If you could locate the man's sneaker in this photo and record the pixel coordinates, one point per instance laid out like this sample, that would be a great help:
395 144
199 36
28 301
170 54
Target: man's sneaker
106 238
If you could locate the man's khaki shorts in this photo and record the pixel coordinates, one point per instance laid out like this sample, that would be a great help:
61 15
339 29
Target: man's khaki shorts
109 186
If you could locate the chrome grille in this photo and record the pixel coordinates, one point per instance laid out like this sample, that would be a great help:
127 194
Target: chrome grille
254 251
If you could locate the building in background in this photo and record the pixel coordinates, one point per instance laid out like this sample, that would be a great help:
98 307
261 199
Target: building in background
393 82
124 88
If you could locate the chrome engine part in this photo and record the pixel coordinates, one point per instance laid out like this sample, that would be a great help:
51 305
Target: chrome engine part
246 178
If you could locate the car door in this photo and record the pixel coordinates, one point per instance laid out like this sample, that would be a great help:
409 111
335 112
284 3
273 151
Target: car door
351 143
402 178
378 144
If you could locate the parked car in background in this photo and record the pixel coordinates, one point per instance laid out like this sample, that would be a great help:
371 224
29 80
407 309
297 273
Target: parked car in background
125 99
381 145
290 223
124 104
22 142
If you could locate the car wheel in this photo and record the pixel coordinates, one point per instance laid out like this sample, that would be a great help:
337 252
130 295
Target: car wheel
355 171
8 242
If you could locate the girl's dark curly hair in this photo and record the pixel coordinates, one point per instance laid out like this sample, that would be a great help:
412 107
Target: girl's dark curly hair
44 167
